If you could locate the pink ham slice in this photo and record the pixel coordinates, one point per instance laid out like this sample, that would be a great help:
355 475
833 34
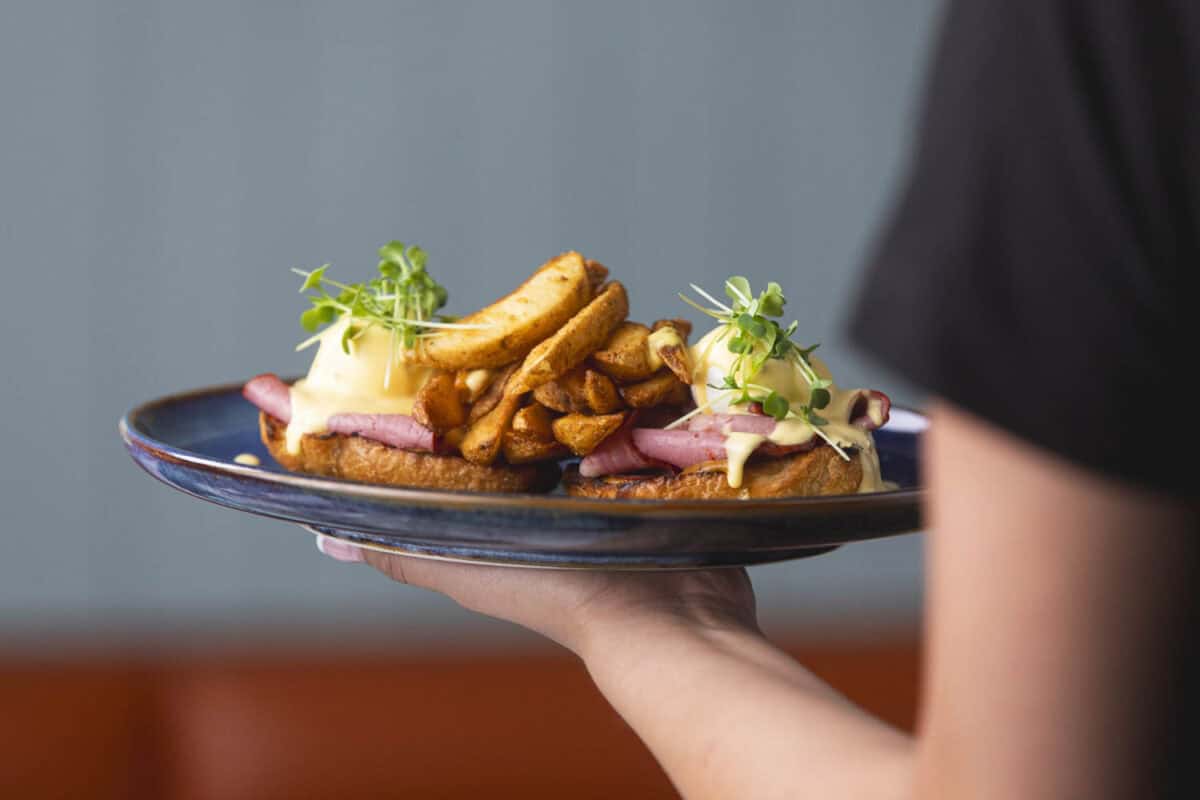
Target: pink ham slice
749 423
870 409
617 455
679 447
274 396
271 395
397 430
687 448
633 449
738 423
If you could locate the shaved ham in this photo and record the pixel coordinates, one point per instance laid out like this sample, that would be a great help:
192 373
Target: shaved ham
617 454
737 423
397 430
678 447
870 409
271 395
274 397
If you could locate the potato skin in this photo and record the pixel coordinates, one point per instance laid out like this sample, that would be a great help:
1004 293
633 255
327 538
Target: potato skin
664 389
439 406
820 471
583 433
571 343
530 313
358 459
625 357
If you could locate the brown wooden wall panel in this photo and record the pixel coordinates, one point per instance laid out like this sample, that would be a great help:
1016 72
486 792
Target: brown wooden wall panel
485 727
76 730
883 677
304 724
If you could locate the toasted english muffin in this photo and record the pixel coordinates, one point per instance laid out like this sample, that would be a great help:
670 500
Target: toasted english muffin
355 458
820 471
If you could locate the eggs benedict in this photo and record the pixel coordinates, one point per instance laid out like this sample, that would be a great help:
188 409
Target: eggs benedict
378 406
768 420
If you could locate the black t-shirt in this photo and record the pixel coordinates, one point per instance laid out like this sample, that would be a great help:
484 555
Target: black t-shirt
1040 270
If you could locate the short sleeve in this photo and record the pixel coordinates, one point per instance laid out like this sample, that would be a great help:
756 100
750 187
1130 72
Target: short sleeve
1039 268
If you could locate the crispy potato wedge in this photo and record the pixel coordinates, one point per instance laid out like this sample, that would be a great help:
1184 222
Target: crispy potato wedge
668 347
582 334
534 420
601 393
574 384
682 325
438 405
625 357
580 391
536 309
531 437
679 360
524 448
664 389
472 383
482 442
582 433
554 396
597 274
492 395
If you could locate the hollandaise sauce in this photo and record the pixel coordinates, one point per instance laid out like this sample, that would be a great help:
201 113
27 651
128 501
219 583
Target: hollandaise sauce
712 361
373 378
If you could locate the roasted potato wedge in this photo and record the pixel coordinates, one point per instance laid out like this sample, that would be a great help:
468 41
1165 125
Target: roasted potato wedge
625 356
664 389
536 309
531 437
597 273
582 334
580 391
482 442
554 396
534 420
667 347
566 393
601 393
682 325
472 383
524 448
492 395
582 433
438 405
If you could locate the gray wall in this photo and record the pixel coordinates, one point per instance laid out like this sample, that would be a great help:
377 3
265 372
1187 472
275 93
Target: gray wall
162 164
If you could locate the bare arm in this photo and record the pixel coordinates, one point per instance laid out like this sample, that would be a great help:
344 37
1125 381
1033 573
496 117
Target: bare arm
1051 598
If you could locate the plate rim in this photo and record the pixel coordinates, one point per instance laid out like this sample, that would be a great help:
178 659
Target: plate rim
463 500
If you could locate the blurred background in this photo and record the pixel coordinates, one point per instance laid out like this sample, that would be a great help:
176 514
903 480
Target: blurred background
163 164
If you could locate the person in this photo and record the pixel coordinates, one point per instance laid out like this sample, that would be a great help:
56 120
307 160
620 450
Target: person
1034 279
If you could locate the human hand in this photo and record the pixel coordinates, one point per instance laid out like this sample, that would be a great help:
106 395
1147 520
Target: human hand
579 609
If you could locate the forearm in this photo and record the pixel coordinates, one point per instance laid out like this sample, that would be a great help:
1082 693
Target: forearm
729 715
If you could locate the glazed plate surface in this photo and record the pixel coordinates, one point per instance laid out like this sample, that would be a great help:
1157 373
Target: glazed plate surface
189 442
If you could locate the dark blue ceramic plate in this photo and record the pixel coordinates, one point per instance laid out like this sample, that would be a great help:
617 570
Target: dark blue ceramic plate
189 442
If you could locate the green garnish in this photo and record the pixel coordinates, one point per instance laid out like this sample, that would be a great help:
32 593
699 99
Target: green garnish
756 338
403 300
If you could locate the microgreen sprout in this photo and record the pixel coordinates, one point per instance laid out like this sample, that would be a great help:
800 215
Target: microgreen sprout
755 336
403 300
